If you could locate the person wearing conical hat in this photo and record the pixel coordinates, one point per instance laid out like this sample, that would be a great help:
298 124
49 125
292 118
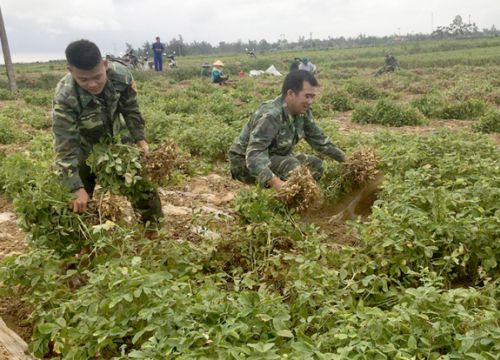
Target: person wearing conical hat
218 76
204 70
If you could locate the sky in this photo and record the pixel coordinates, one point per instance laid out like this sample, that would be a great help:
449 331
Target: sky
40 30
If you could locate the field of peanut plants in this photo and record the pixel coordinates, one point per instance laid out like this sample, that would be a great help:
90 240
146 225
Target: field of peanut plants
237 274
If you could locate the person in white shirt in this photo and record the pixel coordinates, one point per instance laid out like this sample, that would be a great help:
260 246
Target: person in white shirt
308 66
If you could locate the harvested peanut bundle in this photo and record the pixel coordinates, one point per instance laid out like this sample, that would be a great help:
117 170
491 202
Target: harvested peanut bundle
362 166
343 179
161 162
300 190
107 207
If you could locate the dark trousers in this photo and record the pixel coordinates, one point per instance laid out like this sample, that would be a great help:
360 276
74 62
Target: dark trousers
281 166
158 62
149 207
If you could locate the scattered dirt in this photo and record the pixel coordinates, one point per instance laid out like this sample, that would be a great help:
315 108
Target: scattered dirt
331 217
12 238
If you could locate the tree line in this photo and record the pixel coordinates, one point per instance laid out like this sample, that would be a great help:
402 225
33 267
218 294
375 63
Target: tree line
457 29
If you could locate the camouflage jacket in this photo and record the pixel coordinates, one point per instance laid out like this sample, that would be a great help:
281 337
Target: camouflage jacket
391 60
272 130
80 119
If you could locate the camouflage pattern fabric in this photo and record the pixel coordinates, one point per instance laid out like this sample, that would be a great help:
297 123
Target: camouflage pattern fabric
264 148
282 166
80 119
391 64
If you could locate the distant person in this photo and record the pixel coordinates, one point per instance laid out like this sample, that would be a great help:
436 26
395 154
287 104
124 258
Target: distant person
391 64
307 66
264 151
95 100
204 70
218 76
241 74
295 63
158 49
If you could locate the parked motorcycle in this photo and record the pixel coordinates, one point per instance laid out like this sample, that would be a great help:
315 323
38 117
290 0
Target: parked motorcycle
130 60
146 64
172 63
251 53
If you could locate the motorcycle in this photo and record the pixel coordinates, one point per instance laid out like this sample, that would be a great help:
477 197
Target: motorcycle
129 60
172 63
146 64
251 53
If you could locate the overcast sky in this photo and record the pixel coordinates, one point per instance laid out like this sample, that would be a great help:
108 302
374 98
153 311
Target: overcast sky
41 29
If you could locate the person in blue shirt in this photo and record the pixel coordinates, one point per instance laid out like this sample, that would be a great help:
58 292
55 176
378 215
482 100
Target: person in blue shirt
218 76
158 54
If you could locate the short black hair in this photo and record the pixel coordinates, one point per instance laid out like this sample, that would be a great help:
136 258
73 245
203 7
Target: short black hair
83 54
157 38
295 81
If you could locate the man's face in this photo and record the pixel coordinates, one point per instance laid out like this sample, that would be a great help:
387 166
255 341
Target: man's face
299 103
158 40
92 80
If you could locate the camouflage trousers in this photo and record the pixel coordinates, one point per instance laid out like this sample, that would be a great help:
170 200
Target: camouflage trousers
281 166
148 207
385 69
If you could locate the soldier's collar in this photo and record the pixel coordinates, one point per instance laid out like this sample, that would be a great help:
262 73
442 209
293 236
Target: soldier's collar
86 97
284 106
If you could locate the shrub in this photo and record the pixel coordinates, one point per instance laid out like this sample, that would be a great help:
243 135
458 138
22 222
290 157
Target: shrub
388 113
9 95
362 90
463 109
337 100
10 132
38 97
430 104
34 116
489 122
433 105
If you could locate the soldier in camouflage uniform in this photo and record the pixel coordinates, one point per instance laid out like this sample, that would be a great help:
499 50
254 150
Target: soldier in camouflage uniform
95 100
263 151
391 64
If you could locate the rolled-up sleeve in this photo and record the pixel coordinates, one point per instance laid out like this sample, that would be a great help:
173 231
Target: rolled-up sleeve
319 141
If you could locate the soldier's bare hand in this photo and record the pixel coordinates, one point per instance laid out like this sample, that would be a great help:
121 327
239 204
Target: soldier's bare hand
276 183
79 205
346 160
144 146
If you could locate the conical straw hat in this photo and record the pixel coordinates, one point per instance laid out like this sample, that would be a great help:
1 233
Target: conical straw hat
218 63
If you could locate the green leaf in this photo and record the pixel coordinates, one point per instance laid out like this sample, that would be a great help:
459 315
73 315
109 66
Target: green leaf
48 328
412 342
61 322
35 280
285 333
138 354
136 260
467 344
